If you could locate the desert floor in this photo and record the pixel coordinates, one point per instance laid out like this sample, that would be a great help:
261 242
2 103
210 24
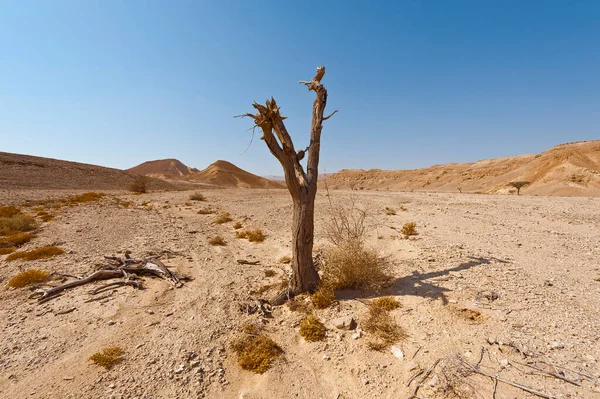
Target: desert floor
492 272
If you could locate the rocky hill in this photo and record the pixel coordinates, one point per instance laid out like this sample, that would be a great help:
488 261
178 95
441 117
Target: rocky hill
163 169
226 174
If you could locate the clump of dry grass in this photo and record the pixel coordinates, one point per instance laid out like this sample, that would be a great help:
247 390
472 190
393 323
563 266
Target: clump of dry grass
197 197
389 211
409 229
285 259
386 303
223 217
45 216
256 352
6 251
205 211
269 273
351 265
237 225
108 357
16 239
323 297
384 329
16 222
253 235
86 197
28 277
218 240
9 211
39 253
312 329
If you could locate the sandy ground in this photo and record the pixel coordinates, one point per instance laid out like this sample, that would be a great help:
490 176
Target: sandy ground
539 255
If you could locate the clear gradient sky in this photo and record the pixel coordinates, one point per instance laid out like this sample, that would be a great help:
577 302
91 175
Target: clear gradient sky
417 83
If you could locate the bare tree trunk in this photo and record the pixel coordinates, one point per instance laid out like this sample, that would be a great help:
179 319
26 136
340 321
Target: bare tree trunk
301 185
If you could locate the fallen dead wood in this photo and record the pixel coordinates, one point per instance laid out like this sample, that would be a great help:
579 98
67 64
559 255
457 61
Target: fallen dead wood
115 267
424 378
247 262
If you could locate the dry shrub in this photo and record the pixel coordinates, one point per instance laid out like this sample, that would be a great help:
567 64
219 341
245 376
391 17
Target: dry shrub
269 273
16 239
218 240
205 211
346 223
256 352
9 211
28 277
138 186
197 197
409 229
6 251
312 329
386 303
237 225
17 222
285 259
389 211
108 357
323 297
383 327
39 253
298 304
351 265
86 197
223 217
45 216
253 235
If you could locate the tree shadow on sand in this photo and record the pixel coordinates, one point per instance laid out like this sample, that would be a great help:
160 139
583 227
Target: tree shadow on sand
415 284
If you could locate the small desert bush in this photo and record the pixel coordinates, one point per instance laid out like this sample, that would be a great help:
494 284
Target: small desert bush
86 197
223 217
253 235
205 211
237 225
28 277
346 223
323 297
256 352
351 265
269 273
386 303
409 229
17 222
39 253
108 357
383 328
9 211
285 259
312 329
218 240
16 239
6 251
197 197
138 186
389 211
45 216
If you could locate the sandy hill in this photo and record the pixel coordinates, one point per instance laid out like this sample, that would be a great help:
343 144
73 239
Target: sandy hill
25 171
226 174
163 169
571 169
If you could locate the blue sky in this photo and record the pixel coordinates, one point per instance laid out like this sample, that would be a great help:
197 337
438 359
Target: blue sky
417 83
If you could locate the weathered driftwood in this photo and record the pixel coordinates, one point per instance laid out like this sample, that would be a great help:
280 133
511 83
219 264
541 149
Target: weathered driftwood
128 269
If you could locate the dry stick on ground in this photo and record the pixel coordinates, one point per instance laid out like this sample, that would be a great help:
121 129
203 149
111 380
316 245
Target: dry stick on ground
116 268
422 380
555 375
247 262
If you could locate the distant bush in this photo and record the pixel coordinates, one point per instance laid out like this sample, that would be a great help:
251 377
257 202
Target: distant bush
312 329
17 222
197 197
108 357
223 217
409 229
39 253
28 277
285 259
518 185
217 241
138 186
86 197
253 235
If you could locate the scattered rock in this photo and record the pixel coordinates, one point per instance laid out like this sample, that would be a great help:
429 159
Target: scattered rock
344 323
397 352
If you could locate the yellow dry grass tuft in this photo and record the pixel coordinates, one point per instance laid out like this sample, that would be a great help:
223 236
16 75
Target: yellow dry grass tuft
9 211
6 251
323 297
386 303
28 277
39 253
389 211
197 197
256 352
45 216
253 235
312 329
16 239
217 241
17 222
223 217
237 225
86 197
285 259
384 329
108 357
409 229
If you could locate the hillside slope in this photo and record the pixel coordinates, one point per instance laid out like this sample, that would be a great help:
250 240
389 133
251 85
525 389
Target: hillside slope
163 169
26 171
226 174
571 169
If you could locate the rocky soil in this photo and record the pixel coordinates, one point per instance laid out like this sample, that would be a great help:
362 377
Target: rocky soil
486 274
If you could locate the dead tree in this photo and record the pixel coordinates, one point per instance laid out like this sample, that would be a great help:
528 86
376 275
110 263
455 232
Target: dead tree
301 184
